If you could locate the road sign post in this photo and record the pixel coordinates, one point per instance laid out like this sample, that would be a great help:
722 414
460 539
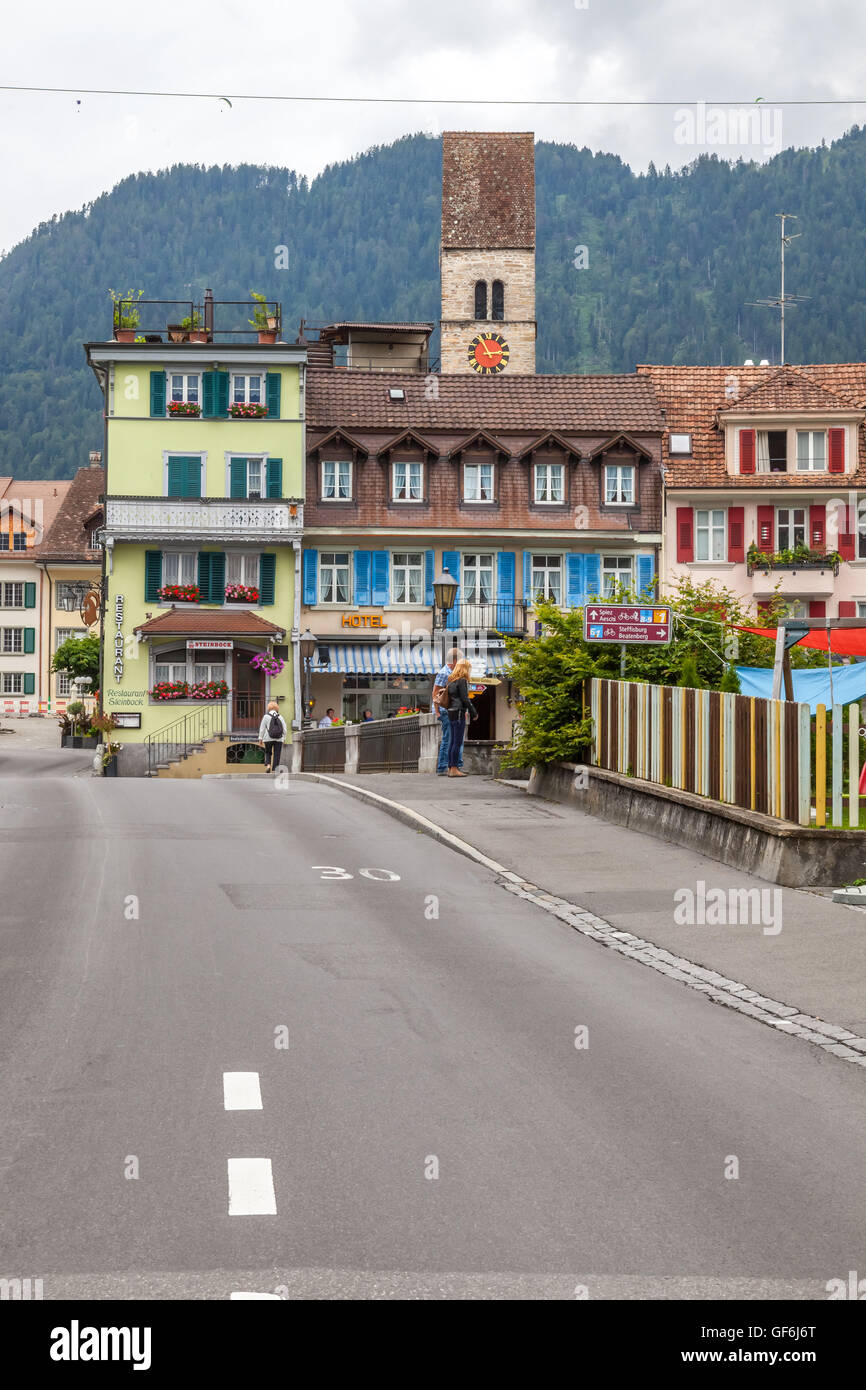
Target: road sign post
626 624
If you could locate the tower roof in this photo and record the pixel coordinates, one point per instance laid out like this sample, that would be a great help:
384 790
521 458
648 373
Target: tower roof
488 189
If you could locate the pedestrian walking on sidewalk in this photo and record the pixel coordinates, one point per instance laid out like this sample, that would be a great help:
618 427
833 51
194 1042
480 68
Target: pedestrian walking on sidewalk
273 732
459 705
439 685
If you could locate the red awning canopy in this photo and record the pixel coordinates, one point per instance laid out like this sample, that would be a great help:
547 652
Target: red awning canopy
844 641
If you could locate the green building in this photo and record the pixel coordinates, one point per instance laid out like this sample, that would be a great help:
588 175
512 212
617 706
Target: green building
204 459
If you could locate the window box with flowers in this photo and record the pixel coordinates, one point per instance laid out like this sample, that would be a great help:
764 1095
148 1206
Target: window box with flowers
179 593
209 690
239 410
170 690
266 662
404 712
241 593
190 409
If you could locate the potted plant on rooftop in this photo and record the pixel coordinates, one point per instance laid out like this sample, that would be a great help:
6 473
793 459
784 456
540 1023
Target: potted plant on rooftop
262 321
193 326
127 314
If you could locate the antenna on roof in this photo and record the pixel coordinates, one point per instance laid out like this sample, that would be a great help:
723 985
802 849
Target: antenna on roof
783 298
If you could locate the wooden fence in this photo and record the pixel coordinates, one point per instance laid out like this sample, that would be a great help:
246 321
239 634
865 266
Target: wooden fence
771 756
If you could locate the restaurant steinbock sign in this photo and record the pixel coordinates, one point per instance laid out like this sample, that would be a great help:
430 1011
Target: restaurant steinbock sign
625 623
196 644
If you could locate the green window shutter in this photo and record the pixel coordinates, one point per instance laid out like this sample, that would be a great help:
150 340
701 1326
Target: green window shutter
208 395
152 575
29 683
238 478
29 639
222 393
191 478
157 393
273 382
267 578
275 478
29 595
204 575
175 478
217 577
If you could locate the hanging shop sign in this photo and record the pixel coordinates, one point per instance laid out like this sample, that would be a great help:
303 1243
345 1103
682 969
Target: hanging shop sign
118 637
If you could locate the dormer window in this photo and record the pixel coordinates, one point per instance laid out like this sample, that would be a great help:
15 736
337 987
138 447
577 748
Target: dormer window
481 299
408 482
549 483
619 484
811 451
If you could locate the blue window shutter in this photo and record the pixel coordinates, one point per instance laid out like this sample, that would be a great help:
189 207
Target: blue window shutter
152 575
527 576
208 395
381 581
311 576
29 640
221 404
429 560
645 576
574 580
451 563
506 576
29 683
238 478
592 576
275 476
267 578
157 393
363 593
273 382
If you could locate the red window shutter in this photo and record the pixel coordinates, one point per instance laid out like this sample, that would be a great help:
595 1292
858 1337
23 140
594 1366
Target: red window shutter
817 528
685 535
817 608
848 539
767 529
837 451
763 605
747 451
847 608
736 528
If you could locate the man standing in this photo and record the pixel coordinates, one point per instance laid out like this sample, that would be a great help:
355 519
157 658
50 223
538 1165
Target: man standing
439 683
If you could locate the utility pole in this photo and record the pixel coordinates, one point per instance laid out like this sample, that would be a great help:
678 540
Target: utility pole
783 299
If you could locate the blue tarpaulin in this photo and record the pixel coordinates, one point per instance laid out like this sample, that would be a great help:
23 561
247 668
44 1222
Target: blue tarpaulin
811 687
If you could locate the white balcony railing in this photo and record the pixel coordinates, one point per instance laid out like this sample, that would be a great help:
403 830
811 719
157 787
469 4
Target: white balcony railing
217 519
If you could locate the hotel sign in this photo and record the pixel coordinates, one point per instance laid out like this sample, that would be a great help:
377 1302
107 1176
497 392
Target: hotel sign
362 620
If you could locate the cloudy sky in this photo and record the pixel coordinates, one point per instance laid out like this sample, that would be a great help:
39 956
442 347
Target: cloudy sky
59 151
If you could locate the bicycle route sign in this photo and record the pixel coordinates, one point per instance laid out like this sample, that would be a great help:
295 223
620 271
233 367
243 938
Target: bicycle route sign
625 623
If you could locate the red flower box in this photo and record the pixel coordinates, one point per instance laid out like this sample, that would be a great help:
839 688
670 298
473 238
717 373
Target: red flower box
187 408
239 411
179 593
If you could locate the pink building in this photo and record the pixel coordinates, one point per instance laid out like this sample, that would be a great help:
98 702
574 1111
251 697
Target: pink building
762 464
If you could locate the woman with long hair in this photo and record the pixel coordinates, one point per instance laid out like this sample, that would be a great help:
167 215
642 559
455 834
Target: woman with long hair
459 705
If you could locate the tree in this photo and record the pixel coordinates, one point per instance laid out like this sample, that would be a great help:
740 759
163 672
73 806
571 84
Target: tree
549 672
689 676
79 656
730 682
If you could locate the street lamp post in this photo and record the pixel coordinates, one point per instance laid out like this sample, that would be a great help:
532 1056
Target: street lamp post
445 588
307 645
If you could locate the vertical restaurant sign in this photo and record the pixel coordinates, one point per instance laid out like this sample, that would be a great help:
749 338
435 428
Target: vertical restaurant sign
118 637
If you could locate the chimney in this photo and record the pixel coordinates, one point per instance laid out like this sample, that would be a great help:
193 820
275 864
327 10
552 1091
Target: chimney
208 312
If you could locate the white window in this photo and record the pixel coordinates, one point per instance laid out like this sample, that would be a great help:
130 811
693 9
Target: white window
477 579
616 570
549 482
408 581
478 482
13 595
619 484
242 569
790 527
861 608
547 577
710 542
184 386
64 684
334 577
67 597
681 444
65 634
255 470
795 608
95 541
248 388
336 480
179 567
811 451
208 671
169 666
408 482
13 683
13 639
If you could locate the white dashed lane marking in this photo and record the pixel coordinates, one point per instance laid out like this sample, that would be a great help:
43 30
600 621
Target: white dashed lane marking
251 1187
241 1090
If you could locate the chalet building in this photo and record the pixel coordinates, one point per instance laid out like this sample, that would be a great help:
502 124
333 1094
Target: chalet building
764 470
517 485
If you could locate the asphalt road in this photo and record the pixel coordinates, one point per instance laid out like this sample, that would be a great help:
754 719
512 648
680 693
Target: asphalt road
157 935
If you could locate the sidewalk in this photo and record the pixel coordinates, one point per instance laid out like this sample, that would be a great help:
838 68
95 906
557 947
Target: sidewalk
817 961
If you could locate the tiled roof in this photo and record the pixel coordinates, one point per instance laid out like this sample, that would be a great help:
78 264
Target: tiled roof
24 493
488 189
209 622
395 327
695 398
68 535
358 398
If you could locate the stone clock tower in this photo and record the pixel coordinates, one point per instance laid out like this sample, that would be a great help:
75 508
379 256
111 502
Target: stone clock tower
487 257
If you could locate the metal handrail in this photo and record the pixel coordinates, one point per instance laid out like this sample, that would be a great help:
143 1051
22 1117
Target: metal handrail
174 740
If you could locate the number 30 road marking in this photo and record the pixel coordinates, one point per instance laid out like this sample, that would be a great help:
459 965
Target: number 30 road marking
333 874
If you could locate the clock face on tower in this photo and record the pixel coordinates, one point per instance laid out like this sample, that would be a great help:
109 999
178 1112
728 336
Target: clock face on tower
488 354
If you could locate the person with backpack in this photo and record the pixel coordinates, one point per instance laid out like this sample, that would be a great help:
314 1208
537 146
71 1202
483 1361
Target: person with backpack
455 698
439 684
273 732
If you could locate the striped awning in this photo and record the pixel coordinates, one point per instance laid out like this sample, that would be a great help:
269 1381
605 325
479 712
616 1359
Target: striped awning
362 658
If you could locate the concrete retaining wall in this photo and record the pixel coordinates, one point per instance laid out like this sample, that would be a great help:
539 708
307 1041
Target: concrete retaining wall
774 850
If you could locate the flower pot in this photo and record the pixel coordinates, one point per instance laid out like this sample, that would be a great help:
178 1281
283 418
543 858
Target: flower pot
198 335
109 769
267 335
67 740
124 335
176 334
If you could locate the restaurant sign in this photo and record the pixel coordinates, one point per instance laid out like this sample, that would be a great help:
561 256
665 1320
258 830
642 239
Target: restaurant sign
200 644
